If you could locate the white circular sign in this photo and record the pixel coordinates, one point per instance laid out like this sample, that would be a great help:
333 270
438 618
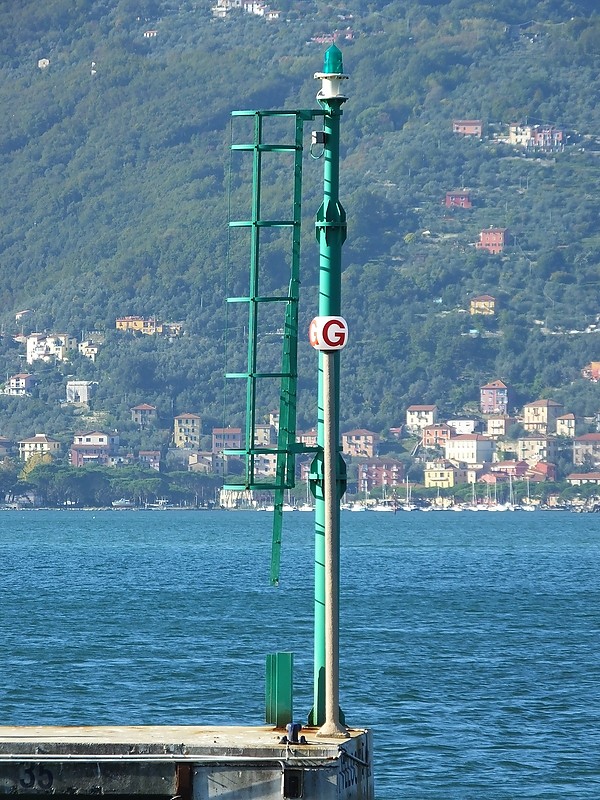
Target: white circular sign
328 333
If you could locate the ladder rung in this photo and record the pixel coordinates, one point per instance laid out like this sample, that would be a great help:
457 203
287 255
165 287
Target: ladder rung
303 113
261 375
239 487
285 299
264 223
259 451
267 148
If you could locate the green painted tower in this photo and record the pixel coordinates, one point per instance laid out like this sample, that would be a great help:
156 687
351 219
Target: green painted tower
328 334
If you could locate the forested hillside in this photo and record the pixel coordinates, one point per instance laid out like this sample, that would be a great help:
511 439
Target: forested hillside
116 177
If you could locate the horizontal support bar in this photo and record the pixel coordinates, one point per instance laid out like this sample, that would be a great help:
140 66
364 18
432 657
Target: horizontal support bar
274 299
268 148
244 487
303 113
264 223
260 375
293 449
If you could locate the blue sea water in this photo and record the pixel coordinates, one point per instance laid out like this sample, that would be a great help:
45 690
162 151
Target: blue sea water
469 642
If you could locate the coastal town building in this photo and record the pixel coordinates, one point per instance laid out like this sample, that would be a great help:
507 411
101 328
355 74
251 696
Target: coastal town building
307 438
419 416
274 419
586 449
226 439
150 459
494 398
379 473
40 444
463 426
541 415
483 304
461 198
259 9
144 415
49 347
591 372
150 326
360 442
338 35
566 425
536 448
265 435
436 435
471 448
206 463
543 471
513 468
80 391
468 127
187 429
20 385
443 474
543 138
583 478
492 240
94 448
89 349
497 427
265 465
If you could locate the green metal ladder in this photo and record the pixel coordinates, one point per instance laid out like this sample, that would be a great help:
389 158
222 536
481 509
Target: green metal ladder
287 448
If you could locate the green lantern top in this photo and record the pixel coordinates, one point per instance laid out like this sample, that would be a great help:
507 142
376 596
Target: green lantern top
332 62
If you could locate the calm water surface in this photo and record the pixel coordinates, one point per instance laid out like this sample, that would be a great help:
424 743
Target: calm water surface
470 642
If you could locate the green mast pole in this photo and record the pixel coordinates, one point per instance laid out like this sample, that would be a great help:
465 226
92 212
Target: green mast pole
330 234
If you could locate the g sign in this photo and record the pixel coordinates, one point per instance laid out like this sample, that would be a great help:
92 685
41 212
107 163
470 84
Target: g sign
328 333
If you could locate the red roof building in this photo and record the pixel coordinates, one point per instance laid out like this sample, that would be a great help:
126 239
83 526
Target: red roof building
458 199
493 398
468 127
492 240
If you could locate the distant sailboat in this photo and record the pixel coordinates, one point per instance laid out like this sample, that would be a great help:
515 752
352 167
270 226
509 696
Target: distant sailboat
473 505
408 505
527 505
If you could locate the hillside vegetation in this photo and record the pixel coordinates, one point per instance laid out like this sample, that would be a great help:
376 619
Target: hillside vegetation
116 176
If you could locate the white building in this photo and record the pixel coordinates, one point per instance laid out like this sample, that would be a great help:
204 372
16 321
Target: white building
40 444
80 391
20 385
89 349
471 448
462 426
49 347
420 416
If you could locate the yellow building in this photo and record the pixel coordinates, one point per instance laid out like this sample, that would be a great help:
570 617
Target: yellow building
541 415
150 326
483 304
187 429
139 325
443 475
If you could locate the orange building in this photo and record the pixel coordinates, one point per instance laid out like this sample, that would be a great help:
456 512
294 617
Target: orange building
468 127
492 240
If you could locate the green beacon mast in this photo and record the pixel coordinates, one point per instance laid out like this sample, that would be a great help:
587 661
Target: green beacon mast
328 334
